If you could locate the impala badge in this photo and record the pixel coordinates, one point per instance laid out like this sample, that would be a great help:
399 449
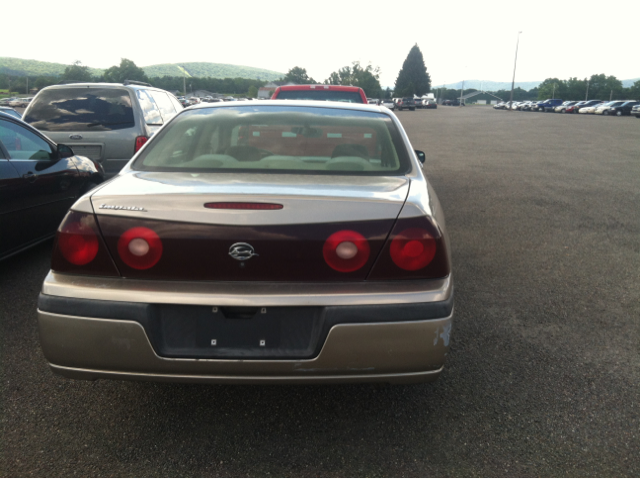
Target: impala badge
119 207
242 251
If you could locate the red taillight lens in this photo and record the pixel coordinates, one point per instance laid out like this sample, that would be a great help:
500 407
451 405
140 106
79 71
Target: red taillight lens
243 206
346 251
79 247
413 249
78 241
140 248
140 140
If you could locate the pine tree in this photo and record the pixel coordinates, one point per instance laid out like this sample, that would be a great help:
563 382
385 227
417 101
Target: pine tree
413 77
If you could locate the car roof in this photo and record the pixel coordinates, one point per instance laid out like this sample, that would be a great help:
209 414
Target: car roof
101 85
336 105
320 87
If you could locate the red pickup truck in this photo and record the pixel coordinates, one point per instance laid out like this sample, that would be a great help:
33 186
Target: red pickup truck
349 94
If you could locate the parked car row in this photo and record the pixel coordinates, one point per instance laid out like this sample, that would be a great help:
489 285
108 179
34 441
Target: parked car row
408 103
16 102
100 126
597 107
455 102
195 100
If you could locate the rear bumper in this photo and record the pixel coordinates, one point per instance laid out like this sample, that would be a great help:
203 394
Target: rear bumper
88 348
397 342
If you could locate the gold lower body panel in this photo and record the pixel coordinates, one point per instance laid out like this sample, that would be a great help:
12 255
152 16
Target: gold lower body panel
396 352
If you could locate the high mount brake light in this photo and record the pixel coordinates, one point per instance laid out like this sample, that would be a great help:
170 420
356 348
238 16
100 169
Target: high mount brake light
140 248
79 247
243 206
346 251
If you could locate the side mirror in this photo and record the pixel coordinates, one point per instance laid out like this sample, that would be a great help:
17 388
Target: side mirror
421 156
65 151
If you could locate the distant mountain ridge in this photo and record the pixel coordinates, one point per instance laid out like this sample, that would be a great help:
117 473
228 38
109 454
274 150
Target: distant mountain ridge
213 70
21 67
488 85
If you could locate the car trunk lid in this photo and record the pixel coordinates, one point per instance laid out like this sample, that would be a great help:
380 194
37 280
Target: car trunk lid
228 244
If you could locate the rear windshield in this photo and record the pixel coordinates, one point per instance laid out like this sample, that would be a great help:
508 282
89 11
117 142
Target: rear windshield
322 95
81 109
277 139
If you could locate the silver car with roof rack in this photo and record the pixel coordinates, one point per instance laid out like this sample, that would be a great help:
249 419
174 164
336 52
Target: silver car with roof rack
262 242
107 122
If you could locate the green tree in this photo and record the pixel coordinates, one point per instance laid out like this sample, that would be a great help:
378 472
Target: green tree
413 77
126 71
366 78
77 72
43 81
252 92
633 92
298 75
575 89
552 88
603 87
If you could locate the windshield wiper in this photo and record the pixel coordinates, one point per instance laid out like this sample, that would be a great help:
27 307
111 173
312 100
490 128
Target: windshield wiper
106 123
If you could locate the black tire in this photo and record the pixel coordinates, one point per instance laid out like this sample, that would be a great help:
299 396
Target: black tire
606 112
412 109
618 113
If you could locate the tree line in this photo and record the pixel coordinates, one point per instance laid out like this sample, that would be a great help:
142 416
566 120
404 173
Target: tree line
412 79
596 87
128 70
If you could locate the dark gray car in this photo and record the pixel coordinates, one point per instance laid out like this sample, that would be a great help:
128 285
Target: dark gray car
107 122
404 103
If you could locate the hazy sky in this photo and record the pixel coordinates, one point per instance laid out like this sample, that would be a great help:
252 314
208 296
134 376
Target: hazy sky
325 35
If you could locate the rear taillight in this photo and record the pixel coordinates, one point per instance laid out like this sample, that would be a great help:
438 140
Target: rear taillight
140 248
140 141
78 242
79 247
346 251
414 250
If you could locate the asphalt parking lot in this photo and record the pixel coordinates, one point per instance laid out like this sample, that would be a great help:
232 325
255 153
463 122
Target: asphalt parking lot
542 378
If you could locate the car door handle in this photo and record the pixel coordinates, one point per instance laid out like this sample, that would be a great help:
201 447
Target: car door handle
30 176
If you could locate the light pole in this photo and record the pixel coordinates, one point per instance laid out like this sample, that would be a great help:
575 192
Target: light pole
586 95
513 81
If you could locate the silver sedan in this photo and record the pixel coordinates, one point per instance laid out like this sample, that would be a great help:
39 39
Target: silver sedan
277 241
